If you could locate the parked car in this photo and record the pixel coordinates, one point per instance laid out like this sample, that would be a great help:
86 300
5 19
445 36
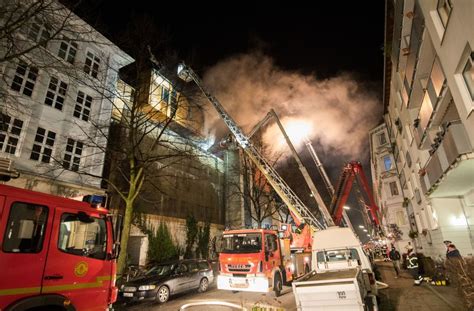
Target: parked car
161 281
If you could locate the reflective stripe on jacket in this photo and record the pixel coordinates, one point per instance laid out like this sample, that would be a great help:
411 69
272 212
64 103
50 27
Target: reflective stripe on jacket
412 261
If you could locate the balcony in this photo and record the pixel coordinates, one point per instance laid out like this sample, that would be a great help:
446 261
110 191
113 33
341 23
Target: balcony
455 144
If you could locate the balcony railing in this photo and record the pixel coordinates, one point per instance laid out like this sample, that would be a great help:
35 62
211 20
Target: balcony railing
455 143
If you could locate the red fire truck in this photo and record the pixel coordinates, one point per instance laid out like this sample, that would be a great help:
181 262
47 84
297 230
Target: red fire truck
55 253
259 260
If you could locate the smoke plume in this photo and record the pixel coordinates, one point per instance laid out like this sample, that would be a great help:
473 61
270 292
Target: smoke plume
340 110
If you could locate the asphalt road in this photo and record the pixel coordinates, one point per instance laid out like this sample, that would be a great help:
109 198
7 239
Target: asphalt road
249 300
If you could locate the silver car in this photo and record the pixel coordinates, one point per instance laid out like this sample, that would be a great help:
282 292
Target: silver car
161 281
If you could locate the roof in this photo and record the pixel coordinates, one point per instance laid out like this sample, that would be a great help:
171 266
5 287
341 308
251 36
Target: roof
44 198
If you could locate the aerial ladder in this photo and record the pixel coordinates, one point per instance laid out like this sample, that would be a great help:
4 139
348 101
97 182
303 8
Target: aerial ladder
352 172
293 202
314 192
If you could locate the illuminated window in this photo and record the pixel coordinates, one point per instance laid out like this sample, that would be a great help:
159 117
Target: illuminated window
56 93
82 109
394 188
91 65
387 161
10 130
68 50
468 75
437 80
425 111
444 10
43 145
25 79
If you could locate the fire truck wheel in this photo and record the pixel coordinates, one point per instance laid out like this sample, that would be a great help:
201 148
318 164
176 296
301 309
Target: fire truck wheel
277 285
203 285
163 294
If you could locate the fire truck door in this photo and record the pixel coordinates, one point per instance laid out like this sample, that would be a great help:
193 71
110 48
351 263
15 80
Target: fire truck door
25 229
272 258
78 266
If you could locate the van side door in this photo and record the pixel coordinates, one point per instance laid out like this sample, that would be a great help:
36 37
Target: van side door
25 229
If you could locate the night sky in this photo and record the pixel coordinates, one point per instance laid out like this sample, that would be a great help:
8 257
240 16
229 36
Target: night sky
325 41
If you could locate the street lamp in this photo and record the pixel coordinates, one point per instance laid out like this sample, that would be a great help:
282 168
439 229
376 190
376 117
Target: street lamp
346 207
362 227
365 230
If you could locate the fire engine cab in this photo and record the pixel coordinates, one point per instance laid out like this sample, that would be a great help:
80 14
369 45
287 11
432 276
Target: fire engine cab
55 253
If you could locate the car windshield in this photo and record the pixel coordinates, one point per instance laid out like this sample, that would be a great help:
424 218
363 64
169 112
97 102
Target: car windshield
338 255
242 243
160 269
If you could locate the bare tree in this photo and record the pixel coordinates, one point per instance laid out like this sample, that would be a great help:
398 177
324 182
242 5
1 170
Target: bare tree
260 201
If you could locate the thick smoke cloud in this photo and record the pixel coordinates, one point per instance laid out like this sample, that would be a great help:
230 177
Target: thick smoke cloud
340 110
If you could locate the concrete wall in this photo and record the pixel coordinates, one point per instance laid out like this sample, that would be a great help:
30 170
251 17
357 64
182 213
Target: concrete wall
138 246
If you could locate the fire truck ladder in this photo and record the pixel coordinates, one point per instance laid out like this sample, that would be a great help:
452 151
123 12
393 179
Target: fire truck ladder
326 180
288 196
350 172
312 187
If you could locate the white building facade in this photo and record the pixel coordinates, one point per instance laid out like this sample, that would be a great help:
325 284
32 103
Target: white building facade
387 189
429 104
56 103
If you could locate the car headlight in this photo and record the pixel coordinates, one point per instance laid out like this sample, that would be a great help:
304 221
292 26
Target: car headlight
147 287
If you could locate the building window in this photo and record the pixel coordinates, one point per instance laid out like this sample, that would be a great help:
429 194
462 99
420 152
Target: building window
82 109
56 93
72 156
417 196
468 75
425 111
444 10
393 188
408 159
10 130
387 161
43 145
173 102
91 66
165 94
25 79
26 228
68 50
39 33
382 139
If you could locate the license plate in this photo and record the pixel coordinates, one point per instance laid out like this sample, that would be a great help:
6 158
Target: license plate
128 294
244 285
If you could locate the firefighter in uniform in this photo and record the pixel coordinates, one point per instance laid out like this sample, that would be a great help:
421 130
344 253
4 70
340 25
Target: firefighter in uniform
412 265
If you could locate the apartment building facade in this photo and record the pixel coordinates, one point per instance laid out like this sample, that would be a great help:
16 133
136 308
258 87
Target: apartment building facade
54 94
388 193
184 178
429 104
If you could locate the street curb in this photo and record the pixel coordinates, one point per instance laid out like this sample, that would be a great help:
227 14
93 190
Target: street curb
439 295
